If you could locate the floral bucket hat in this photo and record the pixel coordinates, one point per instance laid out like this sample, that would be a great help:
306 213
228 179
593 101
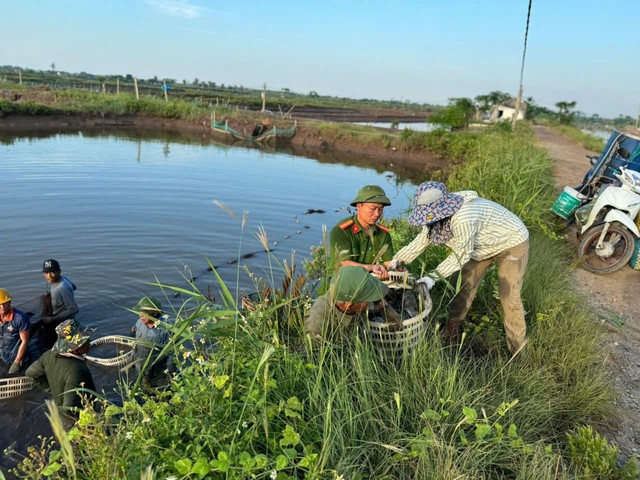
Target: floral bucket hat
432 203
70 337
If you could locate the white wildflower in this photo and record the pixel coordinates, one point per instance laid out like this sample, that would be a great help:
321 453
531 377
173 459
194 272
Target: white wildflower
245 424
146 419
273 475
128 435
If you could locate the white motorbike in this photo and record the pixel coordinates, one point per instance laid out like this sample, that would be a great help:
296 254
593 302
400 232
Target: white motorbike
608 234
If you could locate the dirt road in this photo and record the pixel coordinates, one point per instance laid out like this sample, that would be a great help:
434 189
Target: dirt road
612 296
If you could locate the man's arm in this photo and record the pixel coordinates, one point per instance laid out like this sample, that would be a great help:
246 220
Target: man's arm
411 251
24 344
69 302
35 370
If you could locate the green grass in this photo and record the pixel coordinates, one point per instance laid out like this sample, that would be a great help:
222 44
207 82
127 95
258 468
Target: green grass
590 142
263 404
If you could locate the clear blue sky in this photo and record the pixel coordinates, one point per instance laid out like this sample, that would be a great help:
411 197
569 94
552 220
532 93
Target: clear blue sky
586 51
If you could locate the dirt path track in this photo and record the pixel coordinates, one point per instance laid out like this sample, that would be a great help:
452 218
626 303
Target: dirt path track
612 296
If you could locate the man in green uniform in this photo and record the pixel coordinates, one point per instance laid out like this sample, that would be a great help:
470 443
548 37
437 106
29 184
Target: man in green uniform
63 369
345 304
360 240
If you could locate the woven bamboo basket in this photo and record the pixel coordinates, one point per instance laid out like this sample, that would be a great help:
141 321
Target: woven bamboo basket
14 386
120 360
413 329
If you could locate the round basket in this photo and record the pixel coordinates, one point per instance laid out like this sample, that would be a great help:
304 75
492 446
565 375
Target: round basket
389 340
120 360
14 386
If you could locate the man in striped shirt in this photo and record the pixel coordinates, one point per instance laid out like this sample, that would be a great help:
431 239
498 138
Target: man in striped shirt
479 232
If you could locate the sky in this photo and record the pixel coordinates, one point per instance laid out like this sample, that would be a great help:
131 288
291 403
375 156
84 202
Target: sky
423 51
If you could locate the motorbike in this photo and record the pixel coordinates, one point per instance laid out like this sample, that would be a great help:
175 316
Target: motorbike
606 225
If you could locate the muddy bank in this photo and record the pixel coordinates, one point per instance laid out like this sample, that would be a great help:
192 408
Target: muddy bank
309 141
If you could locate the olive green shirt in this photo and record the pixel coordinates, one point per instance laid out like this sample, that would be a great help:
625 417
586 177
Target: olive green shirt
63 375
349 241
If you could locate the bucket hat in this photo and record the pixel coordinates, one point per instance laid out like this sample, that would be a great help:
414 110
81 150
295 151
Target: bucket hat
432 203
355 285
70 337
371 194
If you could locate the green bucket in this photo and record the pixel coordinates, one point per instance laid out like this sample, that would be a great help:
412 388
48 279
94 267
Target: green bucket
567 203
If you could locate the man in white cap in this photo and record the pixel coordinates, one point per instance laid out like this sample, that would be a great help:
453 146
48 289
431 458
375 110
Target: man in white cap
479 232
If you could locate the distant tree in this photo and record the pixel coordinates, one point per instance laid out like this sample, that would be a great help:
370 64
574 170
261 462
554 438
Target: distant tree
486 102
457 115
195 81
313 94
53 65
286 90
565 115
128 77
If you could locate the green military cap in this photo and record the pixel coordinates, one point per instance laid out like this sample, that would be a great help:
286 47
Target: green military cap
371 194
149 304
355 285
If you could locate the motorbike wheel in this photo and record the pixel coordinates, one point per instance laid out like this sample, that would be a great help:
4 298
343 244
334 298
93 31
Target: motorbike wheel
619 242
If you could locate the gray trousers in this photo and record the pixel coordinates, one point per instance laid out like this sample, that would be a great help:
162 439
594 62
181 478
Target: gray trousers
512 264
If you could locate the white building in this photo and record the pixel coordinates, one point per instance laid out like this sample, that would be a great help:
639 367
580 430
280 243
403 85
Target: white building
504 112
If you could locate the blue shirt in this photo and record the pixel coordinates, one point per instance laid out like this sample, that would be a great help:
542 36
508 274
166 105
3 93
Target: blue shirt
11 335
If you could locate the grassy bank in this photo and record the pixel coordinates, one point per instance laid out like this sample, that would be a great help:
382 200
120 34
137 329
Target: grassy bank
252 400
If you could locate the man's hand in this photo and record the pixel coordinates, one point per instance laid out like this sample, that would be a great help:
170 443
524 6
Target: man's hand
380 272
14 367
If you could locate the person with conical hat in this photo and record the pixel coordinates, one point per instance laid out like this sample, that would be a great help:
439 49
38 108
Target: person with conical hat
345 303
15 329
63 369
479 233
360 240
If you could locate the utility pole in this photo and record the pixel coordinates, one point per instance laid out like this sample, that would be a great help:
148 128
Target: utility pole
524 52
264 97
638 119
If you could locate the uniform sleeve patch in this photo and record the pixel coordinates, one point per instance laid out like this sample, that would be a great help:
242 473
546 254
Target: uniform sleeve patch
345 225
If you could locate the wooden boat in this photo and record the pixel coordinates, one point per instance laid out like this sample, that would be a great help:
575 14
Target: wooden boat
272 136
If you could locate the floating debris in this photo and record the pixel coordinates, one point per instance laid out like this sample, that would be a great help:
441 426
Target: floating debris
313 210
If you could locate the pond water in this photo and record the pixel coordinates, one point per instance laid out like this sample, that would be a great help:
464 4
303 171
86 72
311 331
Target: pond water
119 213
415 126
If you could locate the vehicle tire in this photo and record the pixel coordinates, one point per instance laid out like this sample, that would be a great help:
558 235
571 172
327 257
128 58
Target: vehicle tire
620 241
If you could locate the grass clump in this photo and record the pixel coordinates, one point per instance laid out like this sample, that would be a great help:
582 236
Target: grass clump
590 142
252 399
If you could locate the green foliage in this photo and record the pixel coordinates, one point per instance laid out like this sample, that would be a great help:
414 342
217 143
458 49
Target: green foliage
565 115
593 457
251 399
457 115
590 142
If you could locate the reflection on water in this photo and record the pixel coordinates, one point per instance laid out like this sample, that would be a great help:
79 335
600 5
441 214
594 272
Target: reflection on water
121 212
